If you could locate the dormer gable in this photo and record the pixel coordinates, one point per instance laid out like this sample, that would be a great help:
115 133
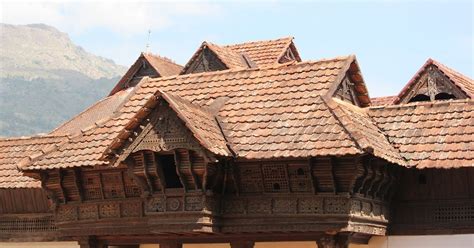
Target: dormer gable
350 86
435 81
146 65
212 57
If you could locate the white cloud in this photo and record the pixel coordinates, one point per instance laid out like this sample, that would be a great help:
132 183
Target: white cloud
125 17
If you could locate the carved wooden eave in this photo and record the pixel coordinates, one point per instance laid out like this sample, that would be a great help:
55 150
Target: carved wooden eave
349 85
163 126
428 83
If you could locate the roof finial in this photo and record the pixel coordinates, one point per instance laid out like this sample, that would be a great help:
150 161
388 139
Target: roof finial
148 42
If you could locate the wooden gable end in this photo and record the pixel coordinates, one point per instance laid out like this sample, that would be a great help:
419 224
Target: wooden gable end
431 85
140 69
205 60
164 139
290 54
346 91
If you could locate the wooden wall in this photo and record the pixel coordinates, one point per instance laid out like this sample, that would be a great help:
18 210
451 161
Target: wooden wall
19 201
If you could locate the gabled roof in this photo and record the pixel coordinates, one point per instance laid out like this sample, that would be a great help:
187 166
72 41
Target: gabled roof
162 67
250 54
430 134
266 52
13 150
364 132
228 57
200 121
271 112
463 82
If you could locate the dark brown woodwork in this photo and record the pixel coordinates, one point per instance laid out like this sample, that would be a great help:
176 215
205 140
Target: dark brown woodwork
242 244
171 244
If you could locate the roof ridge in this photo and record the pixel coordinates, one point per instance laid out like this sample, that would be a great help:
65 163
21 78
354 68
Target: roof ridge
260 41
334 115
39 136
425 104
164 58
261 68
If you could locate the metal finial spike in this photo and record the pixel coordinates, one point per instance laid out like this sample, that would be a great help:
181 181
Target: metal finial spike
148 42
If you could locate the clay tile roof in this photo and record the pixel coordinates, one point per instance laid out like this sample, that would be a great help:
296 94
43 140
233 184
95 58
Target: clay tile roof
266 52
382 101
272 112
102 110
464 83
202 123
430 134
229 57
13 150
164 66
363 130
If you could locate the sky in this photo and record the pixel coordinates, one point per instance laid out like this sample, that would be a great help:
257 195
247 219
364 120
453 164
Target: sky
391 39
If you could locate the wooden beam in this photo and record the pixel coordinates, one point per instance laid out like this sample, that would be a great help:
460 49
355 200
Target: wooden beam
178 172
333 178
242 244
171 244
61 179
77 183
101 184
145 173
191 171
311 177
160 174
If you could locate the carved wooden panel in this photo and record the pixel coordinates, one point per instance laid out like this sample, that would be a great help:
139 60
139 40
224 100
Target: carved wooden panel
112 185
345 91
275 177
91 185
250 176
205 61
300 177
26 224
430 86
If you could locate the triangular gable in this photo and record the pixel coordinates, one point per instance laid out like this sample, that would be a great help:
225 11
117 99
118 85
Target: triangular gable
290 53
350 86
435 81
173 123
146 65
211 57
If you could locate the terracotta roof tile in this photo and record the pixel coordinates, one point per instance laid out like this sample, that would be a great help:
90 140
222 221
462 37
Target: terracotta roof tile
13 150
264 53
164 66
364 131
265 102
430 135
382 101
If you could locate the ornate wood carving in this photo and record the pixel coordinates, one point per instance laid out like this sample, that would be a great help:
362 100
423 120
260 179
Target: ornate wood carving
430 84
345 91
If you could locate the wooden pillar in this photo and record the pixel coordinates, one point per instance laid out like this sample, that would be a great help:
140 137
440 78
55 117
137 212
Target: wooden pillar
123 246
171 244
242 244
90 242
340 240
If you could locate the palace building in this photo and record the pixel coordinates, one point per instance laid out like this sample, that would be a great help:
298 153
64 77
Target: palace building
248 143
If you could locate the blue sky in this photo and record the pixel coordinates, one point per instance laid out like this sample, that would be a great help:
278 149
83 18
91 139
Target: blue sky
391 39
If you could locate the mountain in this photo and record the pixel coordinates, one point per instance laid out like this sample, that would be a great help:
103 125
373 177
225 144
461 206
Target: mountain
45 78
